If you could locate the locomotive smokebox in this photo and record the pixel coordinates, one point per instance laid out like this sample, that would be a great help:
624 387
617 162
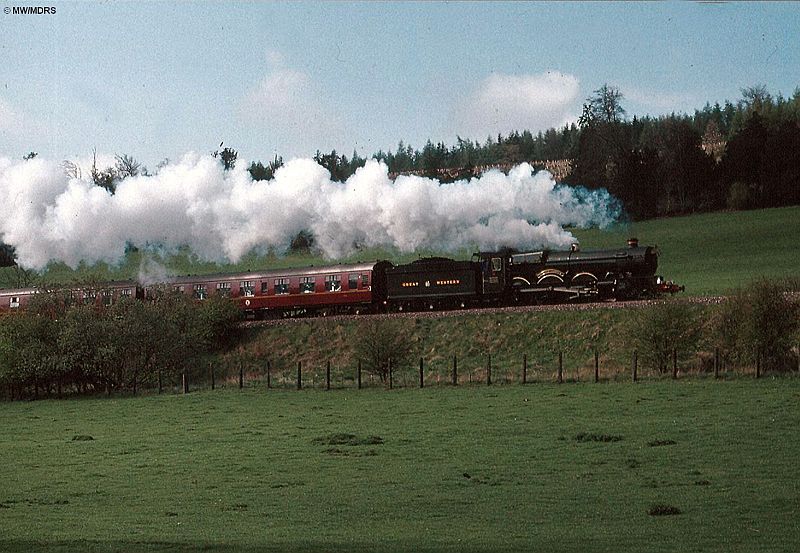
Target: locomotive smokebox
633 242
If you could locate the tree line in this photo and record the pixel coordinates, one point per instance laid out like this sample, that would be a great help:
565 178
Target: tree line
738 155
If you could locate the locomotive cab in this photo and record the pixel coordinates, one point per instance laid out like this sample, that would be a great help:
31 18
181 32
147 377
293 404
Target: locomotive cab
494 272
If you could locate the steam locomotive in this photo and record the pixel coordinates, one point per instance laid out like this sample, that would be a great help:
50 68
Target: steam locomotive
500 278
511 278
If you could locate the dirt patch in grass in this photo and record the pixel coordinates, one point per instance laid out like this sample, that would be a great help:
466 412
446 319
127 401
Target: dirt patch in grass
662 509
632 463
347 439
584 437
336 452
82 438
658 443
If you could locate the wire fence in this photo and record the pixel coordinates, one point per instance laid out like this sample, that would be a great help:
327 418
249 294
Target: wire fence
456 371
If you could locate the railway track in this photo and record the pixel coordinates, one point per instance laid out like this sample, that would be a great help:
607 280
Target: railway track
584 306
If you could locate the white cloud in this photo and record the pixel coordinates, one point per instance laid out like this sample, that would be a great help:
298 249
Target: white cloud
274 58
289 106
281 92
502 103
10 120
19 132
660 102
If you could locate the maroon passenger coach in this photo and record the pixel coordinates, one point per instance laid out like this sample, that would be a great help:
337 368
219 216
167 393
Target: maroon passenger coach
331 289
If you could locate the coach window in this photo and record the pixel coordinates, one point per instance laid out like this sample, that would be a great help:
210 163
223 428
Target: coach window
333 283
247 289
177 289
281 285
352 281
364 280
89 295
264 287
127 292
497 264
306 285
108 299
14 302
199 291
224 289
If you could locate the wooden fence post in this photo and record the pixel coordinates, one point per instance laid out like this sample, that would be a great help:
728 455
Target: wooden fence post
241 375
674 363
455 370
160 384
269 370
185 380
596 366
299 375
635 364
489 371
716 362
525 368
391 383
328 375
758 366
421 377
560 367
358 374
211 374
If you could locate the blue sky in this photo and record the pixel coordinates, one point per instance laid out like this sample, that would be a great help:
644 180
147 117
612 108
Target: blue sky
155 80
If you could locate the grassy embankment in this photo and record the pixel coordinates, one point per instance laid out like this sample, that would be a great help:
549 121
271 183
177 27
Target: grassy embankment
709 253
534 468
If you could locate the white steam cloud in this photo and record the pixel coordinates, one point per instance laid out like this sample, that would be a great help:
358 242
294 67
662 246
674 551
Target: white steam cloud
223 215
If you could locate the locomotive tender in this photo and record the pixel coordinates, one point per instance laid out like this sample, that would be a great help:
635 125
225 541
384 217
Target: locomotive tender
506 277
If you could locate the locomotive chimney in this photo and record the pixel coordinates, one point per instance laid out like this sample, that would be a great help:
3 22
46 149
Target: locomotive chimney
633 242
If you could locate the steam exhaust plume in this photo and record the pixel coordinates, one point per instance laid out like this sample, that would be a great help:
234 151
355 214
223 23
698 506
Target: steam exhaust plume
222 215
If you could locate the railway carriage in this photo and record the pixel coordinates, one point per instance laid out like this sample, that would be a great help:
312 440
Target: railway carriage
15 299
331 289
105 294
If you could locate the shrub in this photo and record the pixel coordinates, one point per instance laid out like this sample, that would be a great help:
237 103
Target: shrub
380 343
739 196
655 331
759 322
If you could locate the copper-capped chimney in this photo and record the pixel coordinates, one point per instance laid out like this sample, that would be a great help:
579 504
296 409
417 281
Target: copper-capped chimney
633 242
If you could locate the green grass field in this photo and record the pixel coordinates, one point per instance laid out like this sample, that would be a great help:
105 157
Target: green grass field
543 467
709 253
